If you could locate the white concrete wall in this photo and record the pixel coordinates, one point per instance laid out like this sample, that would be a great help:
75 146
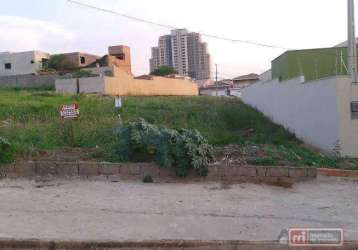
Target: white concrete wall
66 86
212 92
86 85
309 110
21 62
348 132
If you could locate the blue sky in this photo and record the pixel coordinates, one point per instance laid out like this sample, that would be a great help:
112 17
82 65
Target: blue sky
56 26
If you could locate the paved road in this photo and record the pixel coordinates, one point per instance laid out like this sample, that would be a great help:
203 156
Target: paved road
98 210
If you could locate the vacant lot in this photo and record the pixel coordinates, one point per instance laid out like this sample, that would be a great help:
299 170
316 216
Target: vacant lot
30 121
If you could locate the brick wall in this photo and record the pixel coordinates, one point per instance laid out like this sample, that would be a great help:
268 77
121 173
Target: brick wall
136 171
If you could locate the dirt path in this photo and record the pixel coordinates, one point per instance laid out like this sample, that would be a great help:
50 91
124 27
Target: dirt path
98 210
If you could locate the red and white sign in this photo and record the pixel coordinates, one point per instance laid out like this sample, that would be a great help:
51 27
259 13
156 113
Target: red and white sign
331 237
69 111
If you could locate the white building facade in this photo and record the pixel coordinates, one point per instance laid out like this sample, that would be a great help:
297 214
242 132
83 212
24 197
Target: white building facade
22 63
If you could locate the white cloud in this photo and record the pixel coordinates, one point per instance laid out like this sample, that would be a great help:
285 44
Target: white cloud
20 34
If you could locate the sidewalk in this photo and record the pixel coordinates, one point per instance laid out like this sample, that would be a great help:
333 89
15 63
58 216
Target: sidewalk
78 210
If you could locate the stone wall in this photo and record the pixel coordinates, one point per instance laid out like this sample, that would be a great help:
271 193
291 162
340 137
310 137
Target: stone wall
136 171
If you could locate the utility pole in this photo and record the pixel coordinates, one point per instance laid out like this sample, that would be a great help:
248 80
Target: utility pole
352 43
216 80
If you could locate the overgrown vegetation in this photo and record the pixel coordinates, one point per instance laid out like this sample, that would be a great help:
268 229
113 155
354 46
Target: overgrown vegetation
147 179
182 150
80 73
60 63
30 121
164 71
284 155
6 152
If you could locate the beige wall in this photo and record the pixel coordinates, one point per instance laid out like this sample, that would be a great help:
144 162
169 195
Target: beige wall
123 84
120 56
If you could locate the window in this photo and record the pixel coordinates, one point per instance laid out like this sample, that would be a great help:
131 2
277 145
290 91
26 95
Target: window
121 56
7 65
44 62
83 60
354 110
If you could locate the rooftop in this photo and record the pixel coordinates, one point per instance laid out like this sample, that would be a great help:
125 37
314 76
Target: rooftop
251 76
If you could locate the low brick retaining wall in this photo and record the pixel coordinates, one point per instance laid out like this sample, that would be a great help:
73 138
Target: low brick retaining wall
338 172
162 244
136 171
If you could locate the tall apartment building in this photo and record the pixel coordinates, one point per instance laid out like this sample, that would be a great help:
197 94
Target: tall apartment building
199 61
154 61
185 52
165 50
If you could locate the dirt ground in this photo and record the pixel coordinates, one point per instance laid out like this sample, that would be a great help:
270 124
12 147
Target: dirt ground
102 210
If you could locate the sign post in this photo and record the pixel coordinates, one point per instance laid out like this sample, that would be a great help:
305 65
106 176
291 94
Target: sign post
71 111
68 113
118 102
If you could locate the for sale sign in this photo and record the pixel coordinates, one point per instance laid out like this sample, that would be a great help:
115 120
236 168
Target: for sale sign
70 111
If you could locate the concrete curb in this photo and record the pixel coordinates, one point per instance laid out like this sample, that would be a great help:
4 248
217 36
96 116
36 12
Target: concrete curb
338 172
161 244
136 171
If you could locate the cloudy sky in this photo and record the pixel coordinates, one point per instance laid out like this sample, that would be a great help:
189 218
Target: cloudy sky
60 26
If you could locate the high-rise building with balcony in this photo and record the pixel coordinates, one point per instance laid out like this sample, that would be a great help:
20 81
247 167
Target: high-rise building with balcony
183 51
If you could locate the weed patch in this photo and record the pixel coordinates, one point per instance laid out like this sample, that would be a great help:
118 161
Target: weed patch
181 150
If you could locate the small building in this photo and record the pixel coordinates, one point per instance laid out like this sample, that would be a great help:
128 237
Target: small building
245 80
79 59
213 90
22 63
119 56
313 64
310 93
204 83
227 82
266 76
114 77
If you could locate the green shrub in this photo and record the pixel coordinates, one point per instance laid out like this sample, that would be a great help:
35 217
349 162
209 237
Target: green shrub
164 71
262 161
182 150
60 63
81 73
6 152
148 179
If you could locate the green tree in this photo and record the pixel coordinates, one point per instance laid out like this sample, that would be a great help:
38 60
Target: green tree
60 63
164 71
82 73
